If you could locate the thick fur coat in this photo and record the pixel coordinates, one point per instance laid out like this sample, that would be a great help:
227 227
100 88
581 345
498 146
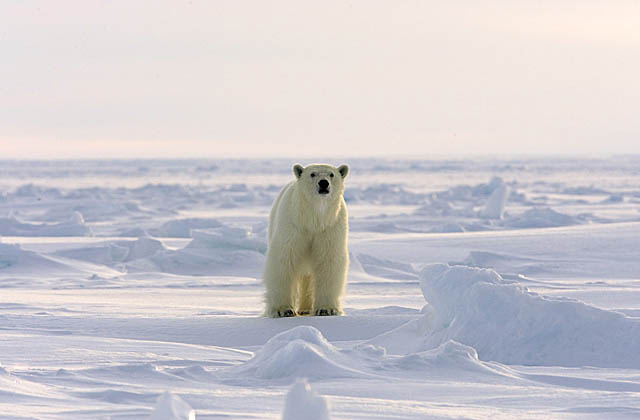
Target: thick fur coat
307 258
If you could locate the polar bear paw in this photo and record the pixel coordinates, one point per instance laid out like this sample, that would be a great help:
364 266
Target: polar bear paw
286 313
327 312
282 312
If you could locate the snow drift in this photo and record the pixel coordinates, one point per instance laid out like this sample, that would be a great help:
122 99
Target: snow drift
226 250
74 225
116 253
301 352
540 218
448 359
16 262
181 228
505 322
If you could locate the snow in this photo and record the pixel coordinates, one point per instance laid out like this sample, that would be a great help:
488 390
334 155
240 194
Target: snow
494 209
477 289
299 352
74 226
303 403
172 407
505 322
181 228
541 217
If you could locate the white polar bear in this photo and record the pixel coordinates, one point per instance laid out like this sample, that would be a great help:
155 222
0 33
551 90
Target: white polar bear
307 259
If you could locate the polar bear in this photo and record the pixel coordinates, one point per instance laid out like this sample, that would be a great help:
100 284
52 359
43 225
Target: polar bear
307 259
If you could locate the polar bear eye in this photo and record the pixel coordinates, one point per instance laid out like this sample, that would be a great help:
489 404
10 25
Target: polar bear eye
313 174
331 174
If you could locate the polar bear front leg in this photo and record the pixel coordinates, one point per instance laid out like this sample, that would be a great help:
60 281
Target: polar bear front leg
280 285
305 295
330 265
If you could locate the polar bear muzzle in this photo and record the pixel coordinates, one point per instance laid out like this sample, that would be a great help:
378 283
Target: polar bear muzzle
323 186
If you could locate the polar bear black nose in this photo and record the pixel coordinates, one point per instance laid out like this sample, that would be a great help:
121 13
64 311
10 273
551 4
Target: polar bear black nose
323 186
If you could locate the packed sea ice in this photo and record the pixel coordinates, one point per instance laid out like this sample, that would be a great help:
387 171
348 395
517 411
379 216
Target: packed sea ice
477 289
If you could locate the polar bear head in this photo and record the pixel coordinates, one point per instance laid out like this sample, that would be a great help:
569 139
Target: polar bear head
321 180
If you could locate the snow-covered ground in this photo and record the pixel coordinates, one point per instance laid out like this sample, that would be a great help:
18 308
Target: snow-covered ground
477 289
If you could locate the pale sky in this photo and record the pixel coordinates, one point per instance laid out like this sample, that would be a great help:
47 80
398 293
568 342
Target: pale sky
299 78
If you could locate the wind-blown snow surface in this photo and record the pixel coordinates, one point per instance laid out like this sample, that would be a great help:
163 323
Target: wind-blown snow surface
477 289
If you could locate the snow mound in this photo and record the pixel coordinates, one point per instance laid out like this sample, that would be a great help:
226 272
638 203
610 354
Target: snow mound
507 323
504 263
448 228
380 267
96 205
385 227
172 407
462 200
540 218
303 403
227 237
383 194
73 226
449 356
195 373
16 261
222 251
584 190
132 232
438 206
41 192
613 199
181 228
117 252
301 352
14 388
143 247
147 371
116 396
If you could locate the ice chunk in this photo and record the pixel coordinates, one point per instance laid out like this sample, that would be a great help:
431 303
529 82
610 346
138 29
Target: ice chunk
77 218
304 403
494 208
172 407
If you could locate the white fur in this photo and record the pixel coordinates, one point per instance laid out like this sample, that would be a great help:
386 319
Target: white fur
307 258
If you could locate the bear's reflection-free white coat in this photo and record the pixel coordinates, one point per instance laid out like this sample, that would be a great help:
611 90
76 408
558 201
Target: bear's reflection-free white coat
307 257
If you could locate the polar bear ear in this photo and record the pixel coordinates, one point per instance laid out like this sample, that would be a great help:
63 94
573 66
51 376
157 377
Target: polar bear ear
297 170
344 170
